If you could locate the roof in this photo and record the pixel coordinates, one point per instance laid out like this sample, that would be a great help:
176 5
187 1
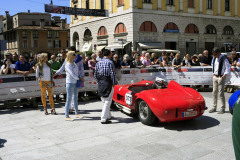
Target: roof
32 13
45 28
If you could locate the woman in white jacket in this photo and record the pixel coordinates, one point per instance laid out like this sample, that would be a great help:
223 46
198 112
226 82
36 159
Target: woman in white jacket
71 87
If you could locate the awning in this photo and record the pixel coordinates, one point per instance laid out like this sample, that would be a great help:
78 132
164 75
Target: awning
150 45
87 47
99 48
116 46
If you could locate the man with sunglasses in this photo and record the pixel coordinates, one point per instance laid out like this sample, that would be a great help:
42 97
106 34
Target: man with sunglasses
55 64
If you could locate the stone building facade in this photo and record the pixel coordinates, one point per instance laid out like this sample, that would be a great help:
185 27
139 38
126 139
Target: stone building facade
30 33
189 26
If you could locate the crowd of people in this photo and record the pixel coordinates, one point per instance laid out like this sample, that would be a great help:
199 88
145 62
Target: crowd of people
13 64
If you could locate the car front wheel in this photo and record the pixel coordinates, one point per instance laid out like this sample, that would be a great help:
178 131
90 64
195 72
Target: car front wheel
145 114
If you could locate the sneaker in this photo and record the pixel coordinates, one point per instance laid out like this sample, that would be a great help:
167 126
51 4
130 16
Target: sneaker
221 111
106 122
68 119
212 110
78 116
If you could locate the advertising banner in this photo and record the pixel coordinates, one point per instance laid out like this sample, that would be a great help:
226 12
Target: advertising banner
75 11
18 86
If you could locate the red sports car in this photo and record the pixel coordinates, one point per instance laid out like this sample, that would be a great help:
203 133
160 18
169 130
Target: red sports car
171 103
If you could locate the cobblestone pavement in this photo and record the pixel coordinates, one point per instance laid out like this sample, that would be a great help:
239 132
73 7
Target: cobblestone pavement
28 134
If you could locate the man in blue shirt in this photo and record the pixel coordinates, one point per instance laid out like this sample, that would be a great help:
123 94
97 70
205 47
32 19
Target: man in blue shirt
23 67
238 63
106 77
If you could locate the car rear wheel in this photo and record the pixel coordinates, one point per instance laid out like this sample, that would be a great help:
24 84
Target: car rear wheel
145 114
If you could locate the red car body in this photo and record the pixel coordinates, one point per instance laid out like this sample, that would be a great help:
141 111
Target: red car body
174 103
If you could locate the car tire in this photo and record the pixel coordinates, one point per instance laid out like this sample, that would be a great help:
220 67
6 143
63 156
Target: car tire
145 114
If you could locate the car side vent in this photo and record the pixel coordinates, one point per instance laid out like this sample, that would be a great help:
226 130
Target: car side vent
120 97
176 112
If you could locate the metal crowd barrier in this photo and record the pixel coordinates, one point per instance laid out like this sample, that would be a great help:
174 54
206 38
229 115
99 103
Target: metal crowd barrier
17 86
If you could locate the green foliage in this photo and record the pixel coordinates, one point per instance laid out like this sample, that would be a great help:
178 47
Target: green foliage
89 53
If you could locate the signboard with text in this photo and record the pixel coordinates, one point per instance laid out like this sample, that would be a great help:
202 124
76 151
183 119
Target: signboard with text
75 11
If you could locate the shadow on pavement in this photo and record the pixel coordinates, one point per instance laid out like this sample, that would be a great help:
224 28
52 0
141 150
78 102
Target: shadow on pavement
202 122
2 142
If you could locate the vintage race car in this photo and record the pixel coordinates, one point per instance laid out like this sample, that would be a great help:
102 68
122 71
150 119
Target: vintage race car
172 103
233 100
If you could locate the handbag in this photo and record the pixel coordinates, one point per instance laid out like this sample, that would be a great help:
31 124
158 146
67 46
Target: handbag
80 83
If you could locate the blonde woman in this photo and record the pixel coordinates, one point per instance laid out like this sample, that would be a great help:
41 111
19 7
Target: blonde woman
71 87
44 76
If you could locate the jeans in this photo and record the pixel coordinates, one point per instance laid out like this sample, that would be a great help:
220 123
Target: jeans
72 94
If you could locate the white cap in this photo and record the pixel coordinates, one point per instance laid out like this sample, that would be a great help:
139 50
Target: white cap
112 49
159 79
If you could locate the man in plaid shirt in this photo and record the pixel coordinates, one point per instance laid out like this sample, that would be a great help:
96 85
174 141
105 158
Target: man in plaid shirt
106 77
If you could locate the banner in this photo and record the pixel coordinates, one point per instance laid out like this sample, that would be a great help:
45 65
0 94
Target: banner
75 11
18 86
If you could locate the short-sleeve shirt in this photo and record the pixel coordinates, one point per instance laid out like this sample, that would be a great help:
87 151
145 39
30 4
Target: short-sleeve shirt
22 67
206 60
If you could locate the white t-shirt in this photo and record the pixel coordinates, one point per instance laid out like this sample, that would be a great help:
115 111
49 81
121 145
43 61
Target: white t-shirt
46 73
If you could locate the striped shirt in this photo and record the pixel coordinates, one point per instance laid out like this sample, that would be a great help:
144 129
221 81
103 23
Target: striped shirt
105 67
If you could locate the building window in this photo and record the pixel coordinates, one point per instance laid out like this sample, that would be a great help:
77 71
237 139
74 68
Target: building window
34 23
35 34
75 16
209 4
228 30
120 28
190 3
210 29
102 31
87 4
227 5
25 44
146 1
171 27
148 27
35 43
57 43
191 28
15 21
120 2
68 35
102 4
170 2
50 44
24 34
68 43
49 34
56 34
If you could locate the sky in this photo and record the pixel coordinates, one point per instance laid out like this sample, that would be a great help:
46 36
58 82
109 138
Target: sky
16 6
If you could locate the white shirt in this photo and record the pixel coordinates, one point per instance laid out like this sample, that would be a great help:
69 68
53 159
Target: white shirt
226 68
71 72
46 73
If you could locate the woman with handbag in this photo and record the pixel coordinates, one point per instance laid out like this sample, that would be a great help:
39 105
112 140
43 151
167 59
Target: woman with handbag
44 76
71 84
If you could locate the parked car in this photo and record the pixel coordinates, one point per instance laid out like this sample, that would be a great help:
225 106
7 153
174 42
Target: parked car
166 103
232 101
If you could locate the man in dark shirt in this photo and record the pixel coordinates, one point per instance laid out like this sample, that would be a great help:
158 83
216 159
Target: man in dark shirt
117 65
206 59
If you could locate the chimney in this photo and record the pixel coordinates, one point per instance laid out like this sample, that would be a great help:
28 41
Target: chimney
28 11
62 24
41 23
